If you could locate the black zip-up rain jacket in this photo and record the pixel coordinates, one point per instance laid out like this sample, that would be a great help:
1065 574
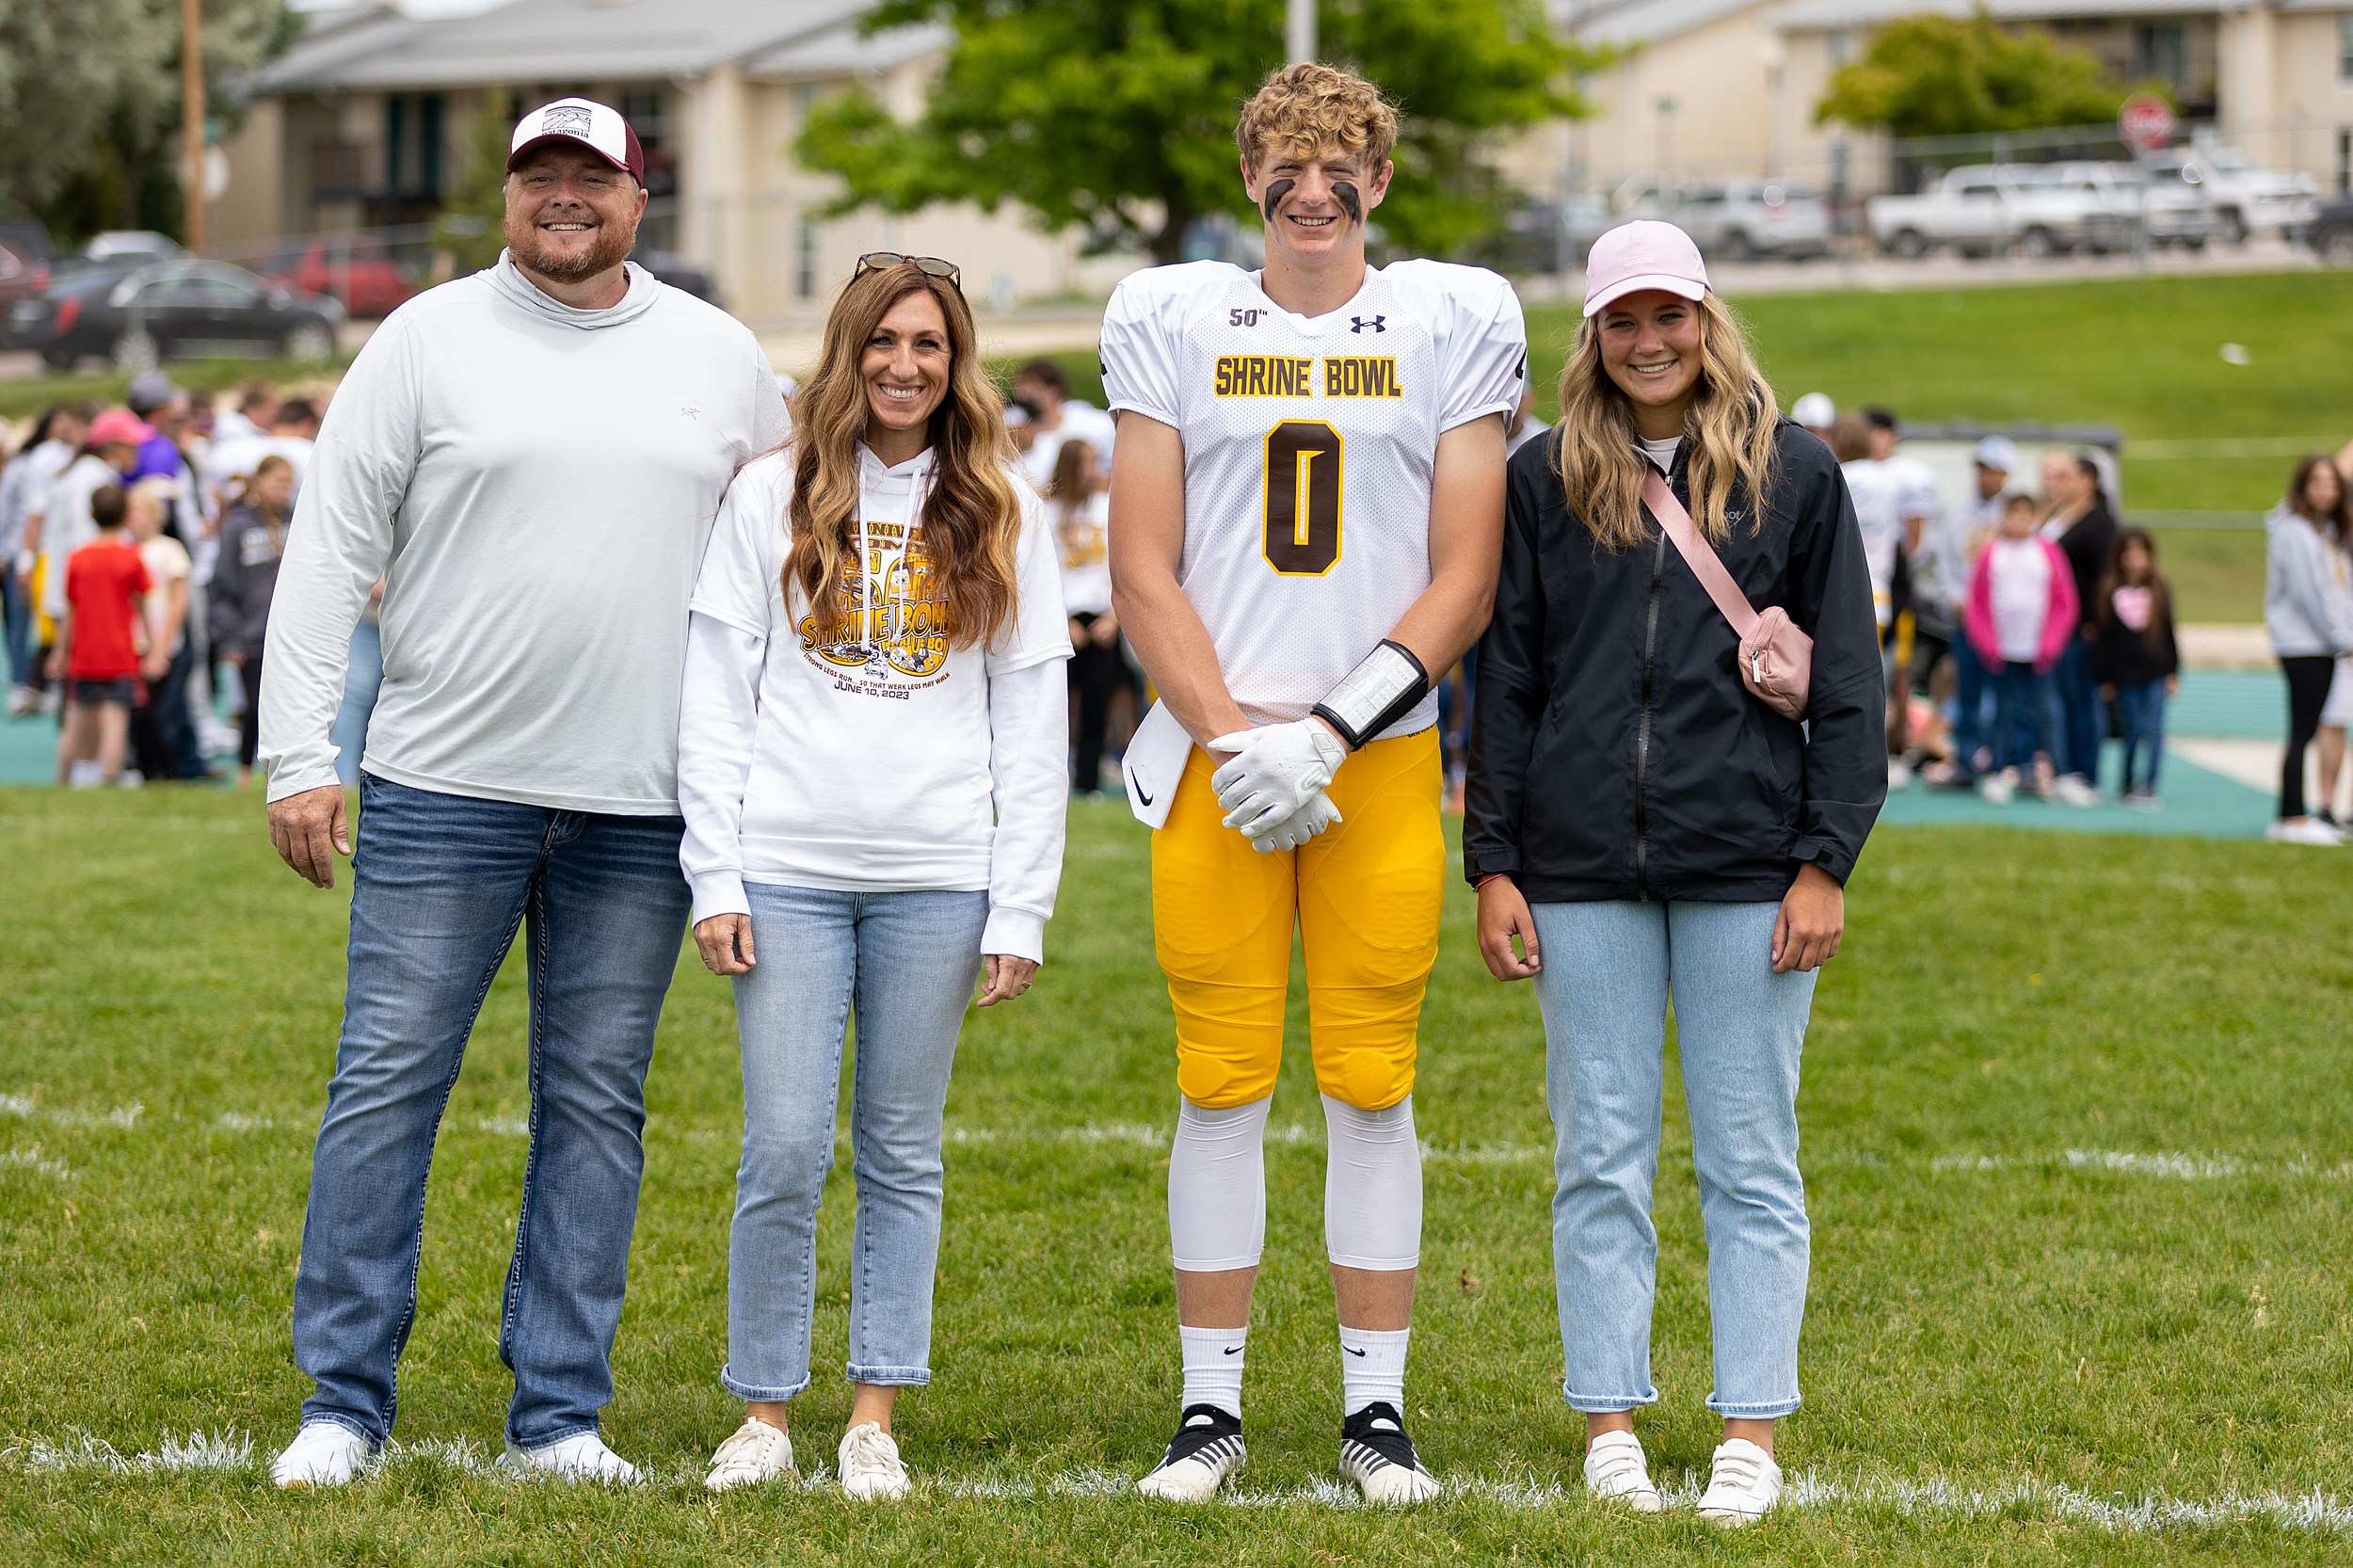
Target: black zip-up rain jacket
1614 752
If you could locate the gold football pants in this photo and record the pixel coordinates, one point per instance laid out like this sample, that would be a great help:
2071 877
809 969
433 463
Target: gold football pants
1365 895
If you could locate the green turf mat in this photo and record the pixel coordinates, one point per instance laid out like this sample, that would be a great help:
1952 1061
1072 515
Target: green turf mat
2236 705
2197 802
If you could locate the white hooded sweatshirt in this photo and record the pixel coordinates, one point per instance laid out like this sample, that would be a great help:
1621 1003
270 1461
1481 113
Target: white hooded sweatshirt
895 759
536 484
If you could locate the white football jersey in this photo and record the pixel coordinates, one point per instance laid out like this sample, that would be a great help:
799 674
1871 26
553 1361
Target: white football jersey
1310 443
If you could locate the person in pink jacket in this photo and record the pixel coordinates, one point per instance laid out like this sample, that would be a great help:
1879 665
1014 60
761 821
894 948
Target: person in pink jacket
2021 610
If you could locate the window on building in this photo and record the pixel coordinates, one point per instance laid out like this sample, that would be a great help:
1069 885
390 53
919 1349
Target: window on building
805 258
1841 46
648 114
2345 162
395 139
2345 46
2161 52
429 108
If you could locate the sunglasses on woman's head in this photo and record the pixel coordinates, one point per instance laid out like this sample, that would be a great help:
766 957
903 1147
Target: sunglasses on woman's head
877 260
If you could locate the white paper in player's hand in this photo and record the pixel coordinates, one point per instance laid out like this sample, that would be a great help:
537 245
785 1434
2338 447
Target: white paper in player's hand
1155 765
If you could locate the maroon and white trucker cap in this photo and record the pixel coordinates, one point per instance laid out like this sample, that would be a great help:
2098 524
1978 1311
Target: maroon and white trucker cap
598 128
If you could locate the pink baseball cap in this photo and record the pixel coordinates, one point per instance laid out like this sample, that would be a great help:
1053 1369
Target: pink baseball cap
1645 254
596 126
119 425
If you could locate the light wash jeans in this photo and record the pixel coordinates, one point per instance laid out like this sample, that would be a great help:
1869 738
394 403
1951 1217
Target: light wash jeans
440 886
905 962
361 682
1608 972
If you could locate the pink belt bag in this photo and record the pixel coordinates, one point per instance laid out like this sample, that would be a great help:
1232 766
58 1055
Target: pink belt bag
1776 658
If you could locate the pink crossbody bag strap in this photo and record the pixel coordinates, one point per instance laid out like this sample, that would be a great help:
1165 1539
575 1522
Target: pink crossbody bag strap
1776 658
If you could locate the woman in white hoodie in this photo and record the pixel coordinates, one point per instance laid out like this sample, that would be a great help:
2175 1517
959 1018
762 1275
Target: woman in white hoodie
2308 610
871 750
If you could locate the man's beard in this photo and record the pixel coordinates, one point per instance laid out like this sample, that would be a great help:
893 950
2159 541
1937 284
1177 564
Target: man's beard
610 246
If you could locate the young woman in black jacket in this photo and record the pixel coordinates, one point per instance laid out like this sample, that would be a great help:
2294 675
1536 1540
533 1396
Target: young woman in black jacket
1634 813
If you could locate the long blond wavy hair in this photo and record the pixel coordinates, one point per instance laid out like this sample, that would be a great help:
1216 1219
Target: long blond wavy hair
1729 429
972 519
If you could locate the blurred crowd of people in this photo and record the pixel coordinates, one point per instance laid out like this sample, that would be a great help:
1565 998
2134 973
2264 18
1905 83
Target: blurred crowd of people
139 546
2023 627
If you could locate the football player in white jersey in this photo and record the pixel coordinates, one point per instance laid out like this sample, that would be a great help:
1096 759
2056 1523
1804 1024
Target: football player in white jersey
1306 521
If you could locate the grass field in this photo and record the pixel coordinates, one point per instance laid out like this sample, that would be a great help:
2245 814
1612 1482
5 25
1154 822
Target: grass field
2076 1150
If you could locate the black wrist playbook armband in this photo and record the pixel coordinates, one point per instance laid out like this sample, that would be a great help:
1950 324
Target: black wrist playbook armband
1375 695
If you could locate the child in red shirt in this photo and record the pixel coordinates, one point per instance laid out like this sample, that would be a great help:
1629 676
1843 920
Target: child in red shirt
98 646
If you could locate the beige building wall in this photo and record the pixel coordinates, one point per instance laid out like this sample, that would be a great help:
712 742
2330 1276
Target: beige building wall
2316 99
1743 98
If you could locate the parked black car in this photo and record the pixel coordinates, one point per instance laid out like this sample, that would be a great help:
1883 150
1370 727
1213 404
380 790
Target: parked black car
2331 233
140 316
679 273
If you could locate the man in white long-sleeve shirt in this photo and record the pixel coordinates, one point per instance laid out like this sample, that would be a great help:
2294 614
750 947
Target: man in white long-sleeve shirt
531 458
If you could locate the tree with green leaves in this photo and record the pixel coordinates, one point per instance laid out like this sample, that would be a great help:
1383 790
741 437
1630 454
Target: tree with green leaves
89 102
471 229
1117 116
1930 75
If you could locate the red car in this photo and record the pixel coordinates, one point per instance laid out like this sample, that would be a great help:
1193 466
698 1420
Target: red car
358 271
23 274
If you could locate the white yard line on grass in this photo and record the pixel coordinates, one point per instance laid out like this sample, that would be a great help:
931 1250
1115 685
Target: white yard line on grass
32 1160
2315 1511
2166 1166
27 1109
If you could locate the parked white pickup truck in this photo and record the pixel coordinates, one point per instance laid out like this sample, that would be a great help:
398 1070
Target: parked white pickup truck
2246 199
1985 210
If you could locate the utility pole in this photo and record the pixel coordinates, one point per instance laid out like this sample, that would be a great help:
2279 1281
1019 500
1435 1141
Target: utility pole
1298 31
192 115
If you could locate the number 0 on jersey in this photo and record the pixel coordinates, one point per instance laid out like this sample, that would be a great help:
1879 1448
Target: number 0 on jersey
1303 497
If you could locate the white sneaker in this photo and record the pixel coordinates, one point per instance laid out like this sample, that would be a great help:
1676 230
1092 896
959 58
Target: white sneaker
321 1454
1898 772
1995 790
582 1456
869 1462
1207 1448
1742 1485
22 701
2068 790
756 1453
2309 831
1615 1472
1379 1457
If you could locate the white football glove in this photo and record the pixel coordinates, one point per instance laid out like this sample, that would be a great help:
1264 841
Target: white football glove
1276 768
1300 826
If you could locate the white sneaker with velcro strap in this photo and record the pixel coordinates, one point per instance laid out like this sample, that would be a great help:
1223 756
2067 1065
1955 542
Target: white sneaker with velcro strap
1742 1485
1617 1472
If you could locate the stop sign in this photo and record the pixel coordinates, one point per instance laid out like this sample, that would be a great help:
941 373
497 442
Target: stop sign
2146 123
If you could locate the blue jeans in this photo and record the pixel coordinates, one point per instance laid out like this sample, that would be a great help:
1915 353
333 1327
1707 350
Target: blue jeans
1608 973
1969 693
439 885
904 963
2085 721
2027 717
2141 712
360 684
16 608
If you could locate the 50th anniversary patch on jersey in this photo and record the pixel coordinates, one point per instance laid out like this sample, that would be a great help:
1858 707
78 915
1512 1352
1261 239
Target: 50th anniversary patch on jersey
1294 376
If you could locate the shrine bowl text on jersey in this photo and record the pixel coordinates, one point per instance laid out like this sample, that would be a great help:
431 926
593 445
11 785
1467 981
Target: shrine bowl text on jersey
1310 443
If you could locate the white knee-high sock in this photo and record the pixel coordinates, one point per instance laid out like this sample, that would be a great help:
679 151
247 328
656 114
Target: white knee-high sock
1372 1369
1213 1358
1217 1187
1371 1187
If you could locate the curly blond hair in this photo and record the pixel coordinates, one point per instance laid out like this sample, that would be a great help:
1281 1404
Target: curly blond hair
1305 108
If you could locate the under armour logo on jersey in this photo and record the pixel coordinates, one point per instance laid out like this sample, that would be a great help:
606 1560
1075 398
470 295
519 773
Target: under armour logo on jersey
1360 324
